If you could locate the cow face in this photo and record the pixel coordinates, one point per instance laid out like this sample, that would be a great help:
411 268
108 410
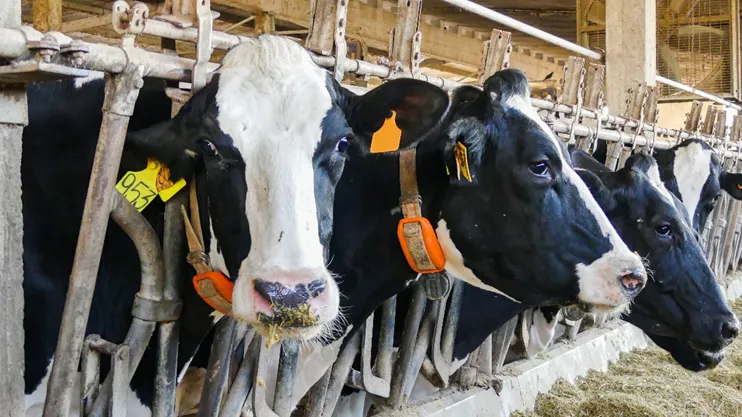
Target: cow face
266 140
526 226
687 356
693 172
683 300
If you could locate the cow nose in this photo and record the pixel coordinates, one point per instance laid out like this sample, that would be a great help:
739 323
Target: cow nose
730 329
632 283
288 297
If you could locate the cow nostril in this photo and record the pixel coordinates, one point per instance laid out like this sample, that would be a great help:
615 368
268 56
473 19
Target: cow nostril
730 329
316 287
280 295
632 283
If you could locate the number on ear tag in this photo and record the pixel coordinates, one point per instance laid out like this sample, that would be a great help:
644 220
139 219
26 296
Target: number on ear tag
141 187
388 137
462 160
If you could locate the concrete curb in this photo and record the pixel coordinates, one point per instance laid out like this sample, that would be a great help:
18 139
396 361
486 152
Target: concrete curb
523 380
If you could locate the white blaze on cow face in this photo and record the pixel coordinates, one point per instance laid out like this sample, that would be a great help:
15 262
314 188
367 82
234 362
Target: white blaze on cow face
272 100
599 281
691 170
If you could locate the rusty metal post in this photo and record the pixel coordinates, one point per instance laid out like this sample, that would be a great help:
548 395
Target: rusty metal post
215 383
167 346
496 54
122 91
13 117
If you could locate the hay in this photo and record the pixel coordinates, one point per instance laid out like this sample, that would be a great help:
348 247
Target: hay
648 383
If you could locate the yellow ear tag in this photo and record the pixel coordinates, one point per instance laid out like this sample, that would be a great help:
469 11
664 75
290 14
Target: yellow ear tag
140 187
462 160
388 137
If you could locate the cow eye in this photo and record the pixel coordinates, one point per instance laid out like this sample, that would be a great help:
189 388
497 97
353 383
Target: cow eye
208 148
663 230
342 144
540 168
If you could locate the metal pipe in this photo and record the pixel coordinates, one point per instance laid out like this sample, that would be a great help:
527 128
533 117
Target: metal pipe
386 338
167 346
109 58
289 355
689 89
237 395
420 349
339 374
411 329
522 27
147 303
215 380
121 93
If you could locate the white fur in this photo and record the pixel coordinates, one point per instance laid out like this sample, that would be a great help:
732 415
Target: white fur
598 281
35 400
691 170
272 99
540 332
455 261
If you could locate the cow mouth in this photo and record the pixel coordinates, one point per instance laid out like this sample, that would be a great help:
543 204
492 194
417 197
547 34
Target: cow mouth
284 317
597 308
707 360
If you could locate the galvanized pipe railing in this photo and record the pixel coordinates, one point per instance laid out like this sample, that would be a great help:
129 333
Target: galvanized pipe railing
121 94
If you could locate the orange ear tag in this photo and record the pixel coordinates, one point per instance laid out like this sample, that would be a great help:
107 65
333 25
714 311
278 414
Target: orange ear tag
387 138
216 290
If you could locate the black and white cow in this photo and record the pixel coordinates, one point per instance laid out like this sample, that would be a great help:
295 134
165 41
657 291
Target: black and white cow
681 308
692 170
266 141
526 226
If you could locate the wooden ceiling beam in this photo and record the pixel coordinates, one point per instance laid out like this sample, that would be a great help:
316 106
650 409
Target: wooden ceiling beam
47 15
81 25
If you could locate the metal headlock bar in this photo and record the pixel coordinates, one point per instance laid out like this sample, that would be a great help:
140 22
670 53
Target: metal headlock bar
237 373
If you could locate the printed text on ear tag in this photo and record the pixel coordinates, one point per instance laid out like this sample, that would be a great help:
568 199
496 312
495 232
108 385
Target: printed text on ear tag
462 160
141 187
388 137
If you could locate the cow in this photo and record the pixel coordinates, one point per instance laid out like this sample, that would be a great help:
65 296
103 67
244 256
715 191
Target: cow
525 226
693 172
681 308
266 141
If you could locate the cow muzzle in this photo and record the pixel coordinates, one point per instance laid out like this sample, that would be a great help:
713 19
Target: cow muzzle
293 304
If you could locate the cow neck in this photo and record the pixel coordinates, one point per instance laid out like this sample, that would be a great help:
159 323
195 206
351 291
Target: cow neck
415 233
212 286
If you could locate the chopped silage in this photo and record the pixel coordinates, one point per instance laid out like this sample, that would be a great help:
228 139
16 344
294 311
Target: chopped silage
649 383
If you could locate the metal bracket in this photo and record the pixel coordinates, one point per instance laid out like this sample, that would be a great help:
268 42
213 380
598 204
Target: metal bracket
496 54
593 99
129 20
341 48
405 35
693 118
203 44
156 310
93 347
573 84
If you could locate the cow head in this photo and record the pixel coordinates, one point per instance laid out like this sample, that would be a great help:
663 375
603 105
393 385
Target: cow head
266 141
526 226
683 300
693 172
686 355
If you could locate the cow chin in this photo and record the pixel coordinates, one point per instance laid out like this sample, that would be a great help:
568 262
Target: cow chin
287 307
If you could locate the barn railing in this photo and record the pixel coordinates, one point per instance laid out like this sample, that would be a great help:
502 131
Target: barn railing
237 376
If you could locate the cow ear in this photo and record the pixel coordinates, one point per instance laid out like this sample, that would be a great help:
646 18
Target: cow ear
161 141
418 108
602 194
641 162
731 183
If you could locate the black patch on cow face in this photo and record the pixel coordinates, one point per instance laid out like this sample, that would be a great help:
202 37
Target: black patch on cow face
193 144
521 224
683 300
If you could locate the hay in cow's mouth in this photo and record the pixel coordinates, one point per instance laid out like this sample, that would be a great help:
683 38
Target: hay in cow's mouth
650 383
290 317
